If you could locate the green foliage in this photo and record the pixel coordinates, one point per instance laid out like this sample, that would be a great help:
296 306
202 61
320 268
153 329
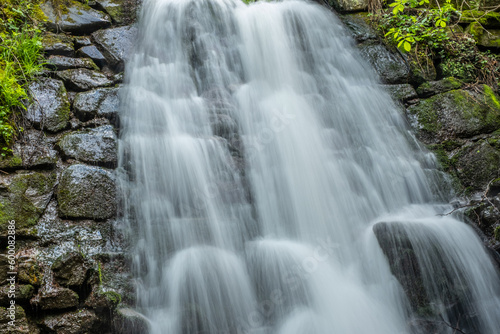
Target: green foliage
20 47
428 33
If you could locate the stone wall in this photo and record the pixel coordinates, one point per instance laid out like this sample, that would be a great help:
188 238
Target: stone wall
59 186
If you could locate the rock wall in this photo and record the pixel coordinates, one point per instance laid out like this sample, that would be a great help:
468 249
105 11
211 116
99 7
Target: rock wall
58 193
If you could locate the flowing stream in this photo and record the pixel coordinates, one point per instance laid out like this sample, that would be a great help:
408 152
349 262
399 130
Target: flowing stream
273 187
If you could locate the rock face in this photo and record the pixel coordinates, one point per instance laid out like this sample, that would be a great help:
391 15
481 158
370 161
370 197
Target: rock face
78 322
50 108
116 43
402 92
54 44
56 299
82 79
61 63
73 17
93 53
87 192
102 102
436 87
390 66
95 146
350 5
128 321
456 114
21 324
24 198
70 270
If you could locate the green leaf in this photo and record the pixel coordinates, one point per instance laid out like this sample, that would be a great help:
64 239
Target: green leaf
407 46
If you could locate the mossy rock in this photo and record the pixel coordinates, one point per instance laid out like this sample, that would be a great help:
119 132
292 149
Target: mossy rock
486 19
74 322
58 44
455 114
87 192
431 88
23 198
20 325
422 69
477 164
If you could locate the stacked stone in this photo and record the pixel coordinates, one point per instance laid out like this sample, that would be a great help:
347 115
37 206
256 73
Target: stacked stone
59 185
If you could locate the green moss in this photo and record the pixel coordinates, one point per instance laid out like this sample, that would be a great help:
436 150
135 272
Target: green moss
20 202
476 30
114 298
481 17
496 233
427 116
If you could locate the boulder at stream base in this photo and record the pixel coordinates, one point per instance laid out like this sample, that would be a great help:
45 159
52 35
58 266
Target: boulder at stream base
74 17
96 146
128 321
87 192
76 322
50 107
116 44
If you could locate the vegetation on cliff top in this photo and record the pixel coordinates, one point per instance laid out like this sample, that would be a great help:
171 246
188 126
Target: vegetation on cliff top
20 53
431 31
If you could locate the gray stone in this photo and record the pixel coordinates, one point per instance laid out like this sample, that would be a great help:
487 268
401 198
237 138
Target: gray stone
70 270
21 325
390 66
57 44
55 298
359 27
455 114
77 322
116 9
95 146
23 294
116 44
402 92
128 321
93 53
73 17
87 192
50 107
24 196
81 41
350 5
61 63
82 79
101 102
30 151
435 87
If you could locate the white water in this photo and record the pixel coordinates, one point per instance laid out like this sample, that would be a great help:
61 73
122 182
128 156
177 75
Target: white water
260 153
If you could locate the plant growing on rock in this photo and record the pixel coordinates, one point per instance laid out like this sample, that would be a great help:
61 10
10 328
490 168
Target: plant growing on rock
20 48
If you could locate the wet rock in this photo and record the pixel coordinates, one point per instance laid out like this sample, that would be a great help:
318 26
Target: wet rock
128 321
50 108
223 125
77 322
61 63
455 114
93 53
83 79
476 164
390 66
116 43
57 44
422 69
486 215
350 5
81 41
21 325
402 92
102 102
103 301
23 198
73 17
436 87
33 151
116 9
87 192
56 298
359 27
70 270
96 146
28 270
23 294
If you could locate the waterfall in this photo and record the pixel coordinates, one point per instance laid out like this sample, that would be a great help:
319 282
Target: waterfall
273 187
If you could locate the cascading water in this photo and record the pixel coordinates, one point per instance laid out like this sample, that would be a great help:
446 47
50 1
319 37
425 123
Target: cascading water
273 187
